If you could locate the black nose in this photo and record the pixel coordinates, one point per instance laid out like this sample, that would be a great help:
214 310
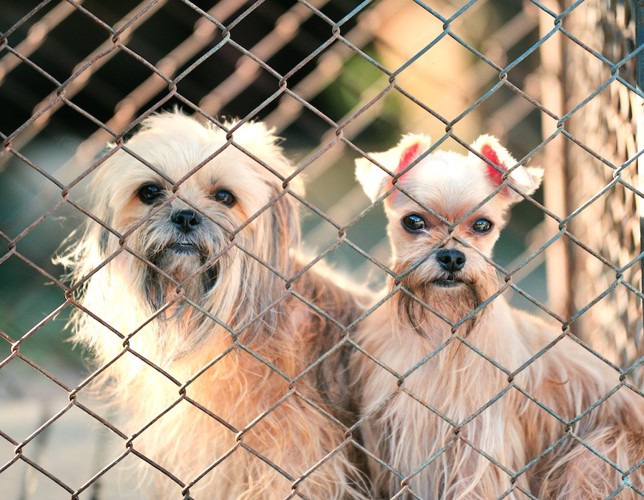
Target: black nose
187 220
451 260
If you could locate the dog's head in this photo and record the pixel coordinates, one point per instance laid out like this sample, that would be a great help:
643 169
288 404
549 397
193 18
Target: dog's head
191 222
446 213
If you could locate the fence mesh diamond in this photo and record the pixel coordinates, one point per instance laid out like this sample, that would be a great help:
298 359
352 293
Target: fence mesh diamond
555 81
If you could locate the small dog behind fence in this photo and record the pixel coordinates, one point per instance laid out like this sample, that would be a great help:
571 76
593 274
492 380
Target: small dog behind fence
240 371
471 398
231 379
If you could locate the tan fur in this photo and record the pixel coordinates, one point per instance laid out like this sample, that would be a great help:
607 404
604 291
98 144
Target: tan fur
444 405
213 357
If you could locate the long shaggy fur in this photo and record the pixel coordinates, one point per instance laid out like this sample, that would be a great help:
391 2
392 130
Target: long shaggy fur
470 398
203 342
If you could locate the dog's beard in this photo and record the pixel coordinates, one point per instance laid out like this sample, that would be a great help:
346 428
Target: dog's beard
432 303
191 274
184 269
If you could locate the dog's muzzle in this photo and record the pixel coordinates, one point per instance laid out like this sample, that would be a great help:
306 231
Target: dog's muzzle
451 261
188 248
186 223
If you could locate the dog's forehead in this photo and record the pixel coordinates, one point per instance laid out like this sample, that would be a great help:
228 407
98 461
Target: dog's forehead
204 159
448 180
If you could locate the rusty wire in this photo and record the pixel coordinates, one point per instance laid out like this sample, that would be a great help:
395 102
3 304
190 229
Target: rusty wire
347 39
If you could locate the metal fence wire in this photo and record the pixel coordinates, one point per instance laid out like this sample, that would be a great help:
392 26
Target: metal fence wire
554 80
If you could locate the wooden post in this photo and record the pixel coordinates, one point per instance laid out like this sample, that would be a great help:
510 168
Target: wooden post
554 161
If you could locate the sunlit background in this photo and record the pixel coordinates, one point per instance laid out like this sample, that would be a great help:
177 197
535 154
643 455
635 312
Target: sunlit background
75 75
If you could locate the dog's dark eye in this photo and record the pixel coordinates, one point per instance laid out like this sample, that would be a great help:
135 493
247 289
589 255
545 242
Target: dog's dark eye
413 223
149 193
482 226
225 197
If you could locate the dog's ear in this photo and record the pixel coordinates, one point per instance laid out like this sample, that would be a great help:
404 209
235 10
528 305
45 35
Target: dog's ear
498 160
254 133
261 141
374 179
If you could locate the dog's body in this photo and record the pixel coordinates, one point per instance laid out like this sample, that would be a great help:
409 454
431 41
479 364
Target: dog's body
467 391
187 306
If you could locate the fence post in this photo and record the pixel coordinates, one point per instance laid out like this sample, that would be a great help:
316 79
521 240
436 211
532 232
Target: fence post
554 161
639 37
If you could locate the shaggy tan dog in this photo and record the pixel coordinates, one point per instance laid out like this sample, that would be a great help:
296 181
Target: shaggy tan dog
463 396
228 358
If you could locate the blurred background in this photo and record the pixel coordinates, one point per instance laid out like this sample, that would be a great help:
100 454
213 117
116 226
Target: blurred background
553 80
51 150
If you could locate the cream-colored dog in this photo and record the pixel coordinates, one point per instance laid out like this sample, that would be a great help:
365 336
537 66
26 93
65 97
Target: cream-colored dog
191 302
464 397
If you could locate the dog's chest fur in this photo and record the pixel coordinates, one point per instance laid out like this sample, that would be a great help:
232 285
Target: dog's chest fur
435 410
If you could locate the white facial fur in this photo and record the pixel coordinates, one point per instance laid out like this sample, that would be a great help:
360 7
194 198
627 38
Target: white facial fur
176 145
132 252
445 188
452 195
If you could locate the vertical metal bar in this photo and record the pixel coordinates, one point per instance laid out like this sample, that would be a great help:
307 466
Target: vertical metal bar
555 188
639 110
639 28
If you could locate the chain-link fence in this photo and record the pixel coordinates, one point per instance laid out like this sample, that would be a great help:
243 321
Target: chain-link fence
555 81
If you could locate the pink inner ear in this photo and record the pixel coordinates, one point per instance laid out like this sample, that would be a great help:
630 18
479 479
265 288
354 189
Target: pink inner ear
408 155
488 152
